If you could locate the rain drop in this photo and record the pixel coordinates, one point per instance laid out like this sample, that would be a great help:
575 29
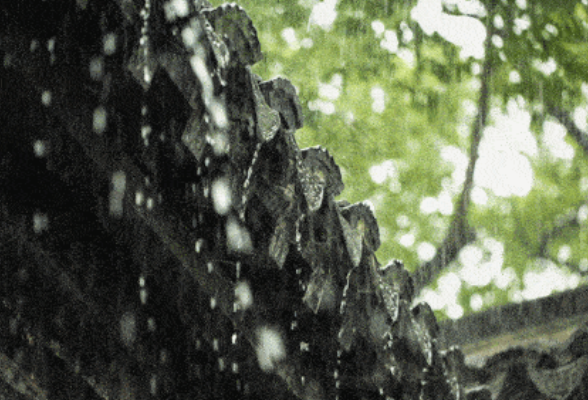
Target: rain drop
238 237
270 348
198 245
153 385
118 182
145 131
109 44
99 120
51 45
141 281
221 364
40 148
97 68
212 303
210 267
46 98
163 356
221 196
150 203
139 198
40 222
235 368
151 324
128 328
215 345
243 295
143 296
147 74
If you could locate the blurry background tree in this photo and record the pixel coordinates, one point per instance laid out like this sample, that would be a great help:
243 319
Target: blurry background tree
408 94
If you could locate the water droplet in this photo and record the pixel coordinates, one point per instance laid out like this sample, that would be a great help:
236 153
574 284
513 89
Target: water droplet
147 74
34 45
215 345
40 148
238 237
243 295
221 364
128 328
381 390
198 245
46 98
109 43
143 296
234 339
40 222
146 131
189 37
221 196
207 161
235 368
304 346
212 303
139 198
151 324
99 120
302 379
343 305
51 45
238 270
210 267
96 68
144 110
150 203
270 348
153 385
118 184
141 281
163 356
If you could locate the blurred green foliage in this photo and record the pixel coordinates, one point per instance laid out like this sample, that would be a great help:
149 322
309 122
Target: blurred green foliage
430 101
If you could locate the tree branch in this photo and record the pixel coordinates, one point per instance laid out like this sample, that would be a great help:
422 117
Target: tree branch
460 234
566 120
